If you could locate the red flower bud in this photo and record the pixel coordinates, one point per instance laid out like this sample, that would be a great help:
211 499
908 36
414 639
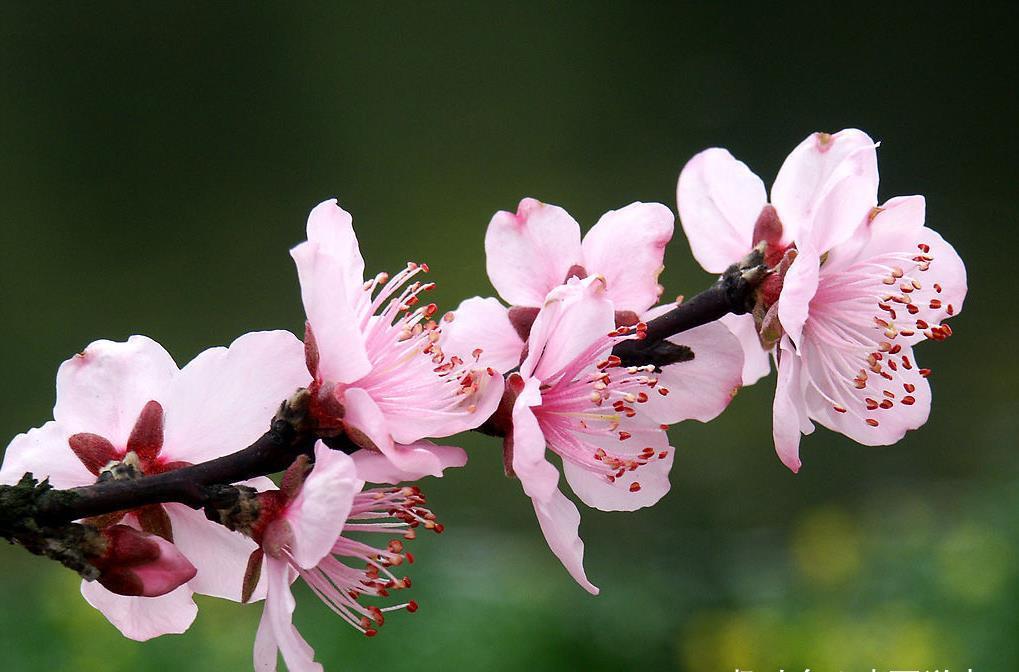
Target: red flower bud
136 563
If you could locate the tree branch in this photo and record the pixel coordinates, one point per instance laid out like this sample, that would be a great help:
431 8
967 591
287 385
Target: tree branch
732 293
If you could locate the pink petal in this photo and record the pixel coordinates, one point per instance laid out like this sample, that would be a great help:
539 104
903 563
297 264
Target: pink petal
219 555
756 361
530 252
908 408
719 201
44 451
320 509
826 188
332 229
276 631
789 413
439 409
573 317
798 288
627 248
332 294
652 478
377 468
483 324
142 618
560 523
103 389
225 398
701 388
537 475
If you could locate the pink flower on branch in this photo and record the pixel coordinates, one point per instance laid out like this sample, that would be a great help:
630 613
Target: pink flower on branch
372 349
309 528
854 288
605 421
125 410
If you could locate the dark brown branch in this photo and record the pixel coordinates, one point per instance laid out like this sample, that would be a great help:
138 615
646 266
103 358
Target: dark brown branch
197 486
732 293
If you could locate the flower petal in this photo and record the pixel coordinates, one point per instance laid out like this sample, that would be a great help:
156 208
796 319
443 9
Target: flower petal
789 412
537 475
719 201
907 408
331 271
703 387
219 555
826 188
756 361
225 398
483 324
276 631
44 451
627 248
530 252
798 288
320 509
574 316
377 468
560 523
103 389
652 479
142 618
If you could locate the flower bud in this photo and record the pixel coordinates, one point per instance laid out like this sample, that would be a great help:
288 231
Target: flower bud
136 563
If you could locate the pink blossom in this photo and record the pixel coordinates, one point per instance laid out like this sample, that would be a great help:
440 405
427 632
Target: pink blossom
125 409
573 398
372 351
851 319
305 530
822 194
864 285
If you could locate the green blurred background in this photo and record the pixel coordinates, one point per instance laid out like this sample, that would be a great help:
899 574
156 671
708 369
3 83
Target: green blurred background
157 162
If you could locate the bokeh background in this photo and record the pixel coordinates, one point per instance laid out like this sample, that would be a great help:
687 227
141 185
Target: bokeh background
157 162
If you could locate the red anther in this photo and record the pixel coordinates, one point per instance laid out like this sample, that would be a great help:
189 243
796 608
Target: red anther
892 365
370 632
925 372
886 404
431 309
664 428
924 247
395 546
412 606
425 268
623 436
613 361
912 309
365 622
662 455
664 391
889 394
887 376
947 330
922 324
935 304
906 363
908 387
872 422
839 409
410 558
635 487
937 288
376 615
647 452
871 404
476 353
439 527
641 397
908 401
895 349
950 309
907 332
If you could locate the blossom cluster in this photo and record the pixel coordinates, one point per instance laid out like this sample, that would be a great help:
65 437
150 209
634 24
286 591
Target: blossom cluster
841 290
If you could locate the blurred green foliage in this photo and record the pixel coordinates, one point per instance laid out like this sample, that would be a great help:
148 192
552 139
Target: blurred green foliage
157 161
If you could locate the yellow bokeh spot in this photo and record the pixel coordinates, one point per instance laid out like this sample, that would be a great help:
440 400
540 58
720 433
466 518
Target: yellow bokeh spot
826 546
